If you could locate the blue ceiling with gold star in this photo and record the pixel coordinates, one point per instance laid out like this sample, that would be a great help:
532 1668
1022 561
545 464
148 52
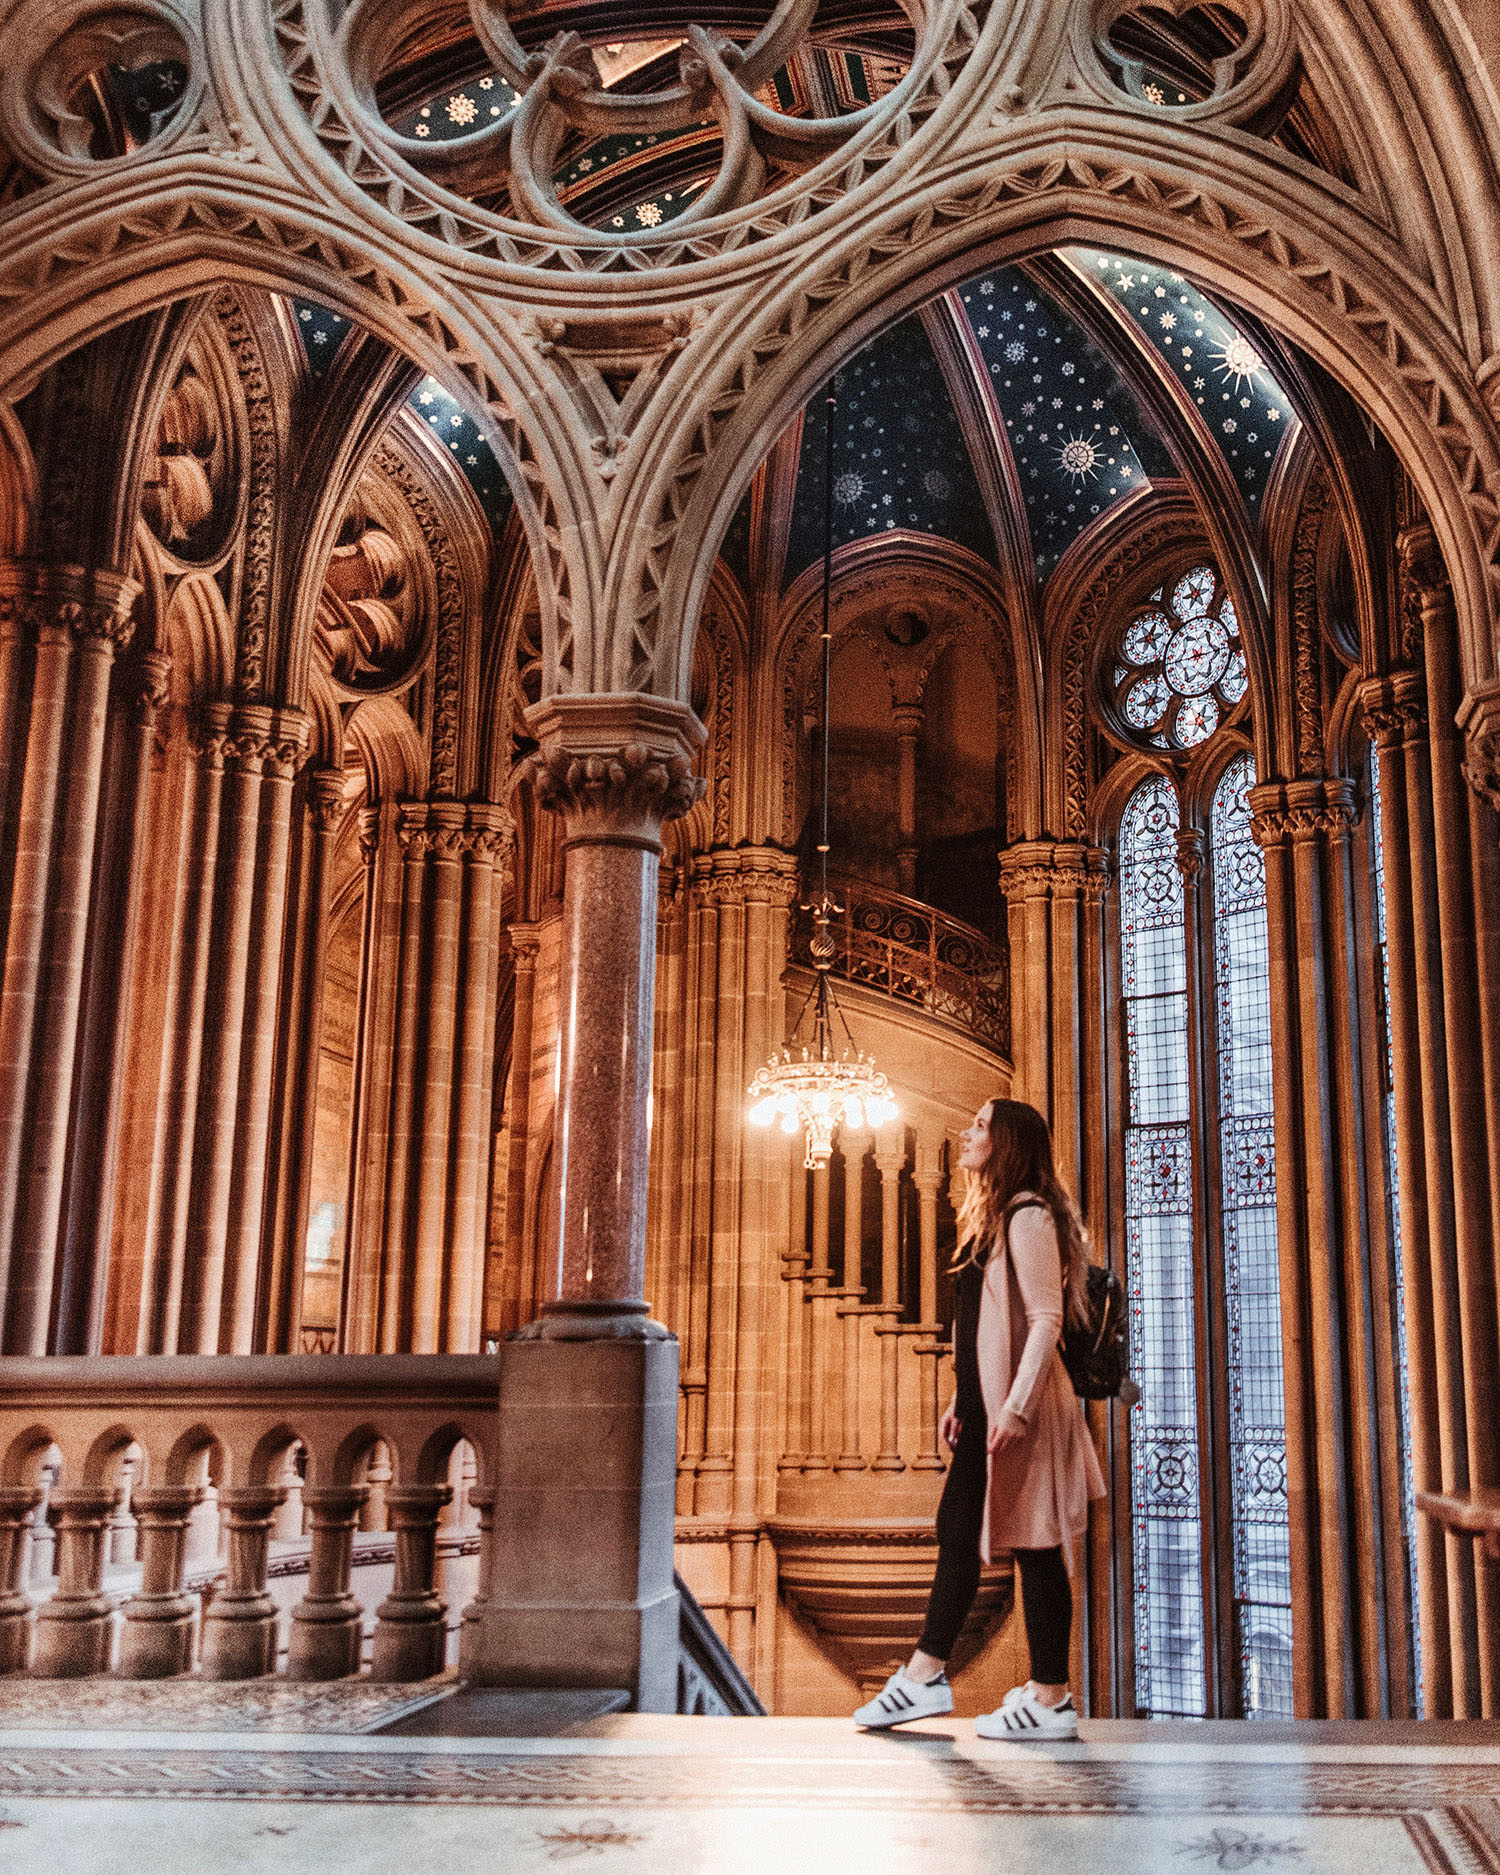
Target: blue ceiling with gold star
1231 386
1078 438
322 333
900 460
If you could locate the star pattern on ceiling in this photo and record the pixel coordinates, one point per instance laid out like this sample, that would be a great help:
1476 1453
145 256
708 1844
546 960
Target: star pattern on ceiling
1247 413
1078 439
900 459
322 333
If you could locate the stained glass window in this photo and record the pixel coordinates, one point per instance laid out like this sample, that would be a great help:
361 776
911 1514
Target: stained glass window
1252 1290
1165 1513
1393 1224
1179 667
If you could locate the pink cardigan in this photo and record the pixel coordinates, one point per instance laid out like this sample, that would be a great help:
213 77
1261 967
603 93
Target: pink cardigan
1038 1489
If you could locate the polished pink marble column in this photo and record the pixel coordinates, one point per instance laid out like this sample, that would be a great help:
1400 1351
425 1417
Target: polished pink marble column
615 768
581 1590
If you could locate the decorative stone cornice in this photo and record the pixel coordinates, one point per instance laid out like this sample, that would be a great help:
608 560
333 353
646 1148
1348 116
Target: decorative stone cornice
1479 722
1323 808
1393 709
1039 869
614 766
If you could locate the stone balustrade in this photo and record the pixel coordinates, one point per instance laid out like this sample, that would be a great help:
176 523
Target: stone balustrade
204 1463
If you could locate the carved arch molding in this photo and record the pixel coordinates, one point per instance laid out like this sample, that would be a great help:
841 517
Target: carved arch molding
632 382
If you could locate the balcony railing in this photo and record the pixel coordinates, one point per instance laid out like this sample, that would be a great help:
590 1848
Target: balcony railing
918 955
158 1516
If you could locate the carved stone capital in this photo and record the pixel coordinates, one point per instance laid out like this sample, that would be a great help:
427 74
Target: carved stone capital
369 833
746 875
1044 869
525 944
253 739
1322 808
1423 582
1394 708
1192 853
615 766
325 798
454 830
62 604
1479 722
153 687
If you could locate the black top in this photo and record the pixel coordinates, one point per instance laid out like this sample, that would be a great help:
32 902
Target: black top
968 1287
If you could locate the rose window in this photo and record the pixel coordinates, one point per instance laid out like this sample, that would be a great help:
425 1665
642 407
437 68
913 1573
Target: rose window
1179 666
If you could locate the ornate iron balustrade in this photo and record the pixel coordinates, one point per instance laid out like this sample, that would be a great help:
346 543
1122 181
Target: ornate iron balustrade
918 955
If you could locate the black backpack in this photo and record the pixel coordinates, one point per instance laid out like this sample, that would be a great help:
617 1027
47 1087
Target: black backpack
1096 1352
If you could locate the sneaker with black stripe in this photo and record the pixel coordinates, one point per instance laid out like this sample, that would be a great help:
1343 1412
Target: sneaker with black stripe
901 1700
1025 1719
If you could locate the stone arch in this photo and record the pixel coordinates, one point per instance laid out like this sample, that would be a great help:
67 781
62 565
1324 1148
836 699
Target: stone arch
1359 313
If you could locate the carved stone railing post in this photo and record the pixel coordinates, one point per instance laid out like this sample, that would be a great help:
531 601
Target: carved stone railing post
156 1633
239 1627
326 1623
73 1628
411 1629
17 1501
587 1432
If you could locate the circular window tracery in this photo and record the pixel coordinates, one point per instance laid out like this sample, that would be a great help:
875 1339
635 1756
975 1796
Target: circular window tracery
1178 665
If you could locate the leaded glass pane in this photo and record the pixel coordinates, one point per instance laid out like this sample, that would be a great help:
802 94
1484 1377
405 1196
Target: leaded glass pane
1165 1512
1252 1288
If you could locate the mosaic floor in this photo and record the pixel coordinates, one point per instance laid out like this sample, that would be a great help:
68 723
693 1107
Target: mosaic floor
641 1796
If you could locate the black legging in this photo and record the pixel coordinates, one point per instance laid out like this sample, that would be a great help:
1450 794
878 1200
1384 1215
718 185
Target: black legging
1046 1595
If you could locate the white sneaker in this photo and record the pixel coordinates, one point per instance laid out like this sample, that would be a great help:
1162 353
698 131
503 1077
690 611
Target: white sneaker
902 1700
1023 1717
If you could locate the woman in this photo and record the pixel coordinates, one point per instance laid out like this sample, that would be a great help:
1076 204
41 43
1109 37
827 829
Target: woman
1024 1467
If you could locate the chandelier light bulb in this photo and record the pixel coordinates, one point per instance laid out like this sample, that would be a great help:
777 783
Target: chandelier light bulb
763 1112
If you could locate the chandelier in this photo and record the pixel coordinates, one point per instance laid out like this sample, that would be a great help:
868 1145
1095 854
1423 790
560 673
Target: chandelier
813 1084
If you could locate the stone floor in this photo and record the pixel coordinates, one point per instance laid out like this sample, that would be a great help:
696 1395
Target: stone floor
629 1795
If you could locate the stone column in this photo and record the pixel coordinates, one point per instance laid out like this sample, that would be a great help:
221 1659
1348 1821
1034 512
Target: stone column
411 1629
17 1502
326 1623
908 718
891 1162
72 622
73 1628
851 1294
156 1635
239 1625
103 1070
1332 1385
928 1179
525 943
1052 889
581 1590
262 748
281 1329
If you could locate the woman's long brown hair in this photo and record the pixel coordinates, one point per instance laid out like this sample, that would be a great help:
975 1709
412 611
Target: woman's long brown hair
1020 1160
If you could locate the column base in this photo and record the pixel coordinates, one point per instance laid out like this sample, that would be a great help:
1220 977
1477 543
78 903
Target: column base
581 1591
156 1637
239 1640
411 1641
72 1638
325 1640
